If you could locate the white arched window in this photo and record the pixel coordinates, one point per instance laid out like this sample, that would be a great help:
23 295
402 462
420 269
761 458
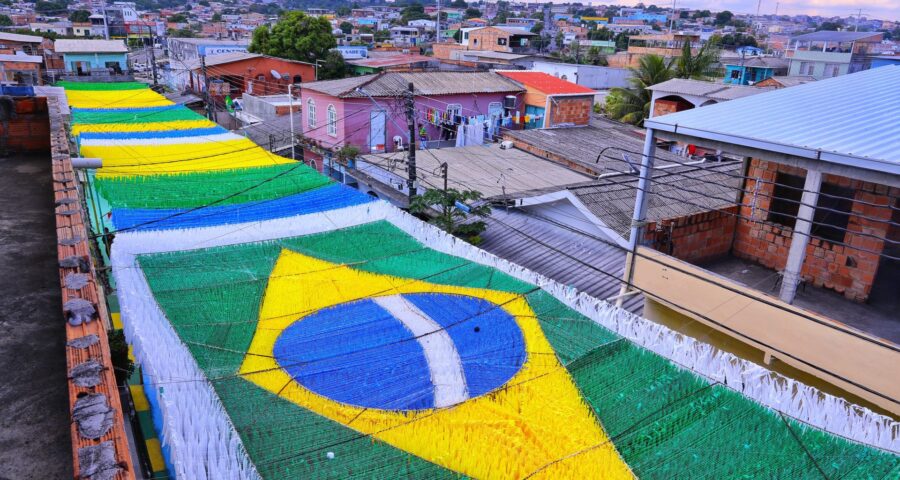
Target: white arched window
311 113
332 121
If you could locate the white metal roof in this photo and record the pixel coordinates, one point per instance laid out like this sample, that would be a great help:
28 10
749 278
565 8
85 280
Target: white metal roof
21 58
16 37
848 120
90 46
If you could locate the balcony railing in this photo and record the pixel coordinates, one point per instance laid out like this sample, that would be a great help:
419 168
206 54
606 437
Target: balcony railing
852 360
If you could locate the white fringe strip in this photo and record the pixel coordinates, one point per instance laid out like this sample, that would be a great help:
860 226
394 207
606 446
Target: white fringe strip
204 443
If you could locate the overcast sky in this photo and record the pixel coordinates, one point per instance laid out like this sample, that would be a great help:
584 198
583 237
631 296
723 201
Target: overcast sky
882 9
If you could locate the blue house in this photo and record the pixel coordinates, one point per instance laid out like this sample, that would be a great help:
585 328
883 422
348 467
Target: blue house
83 56
748 71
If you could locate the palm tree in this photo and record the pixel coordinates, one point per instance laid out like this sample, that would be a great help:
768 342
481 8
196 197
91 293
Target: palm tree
632 105
699 66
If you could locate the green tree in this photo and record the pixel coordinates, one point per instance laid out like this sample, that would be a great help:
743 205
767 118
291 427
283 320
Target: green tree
346 27
701 14
382 35
722 18
296 36
123 367
632 105
449 217
697 66
559 39
831 26
182 33
203 3
413 11
332 66
472 13
459 4
595 57
217 17
80 16
622 40
342 11
51 7
178 18
5 21
601 34
537 28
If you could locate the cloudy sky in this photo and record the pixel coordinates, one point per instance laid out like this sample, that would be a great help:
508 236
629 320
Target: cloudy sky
882 9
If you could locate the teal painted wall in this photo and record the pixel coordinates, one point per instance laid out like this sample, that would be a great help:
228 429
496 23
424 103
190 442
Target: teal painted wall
96 60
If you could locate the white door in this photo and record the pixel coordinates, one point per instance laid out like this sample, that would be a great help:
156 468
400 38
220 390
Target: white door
377 131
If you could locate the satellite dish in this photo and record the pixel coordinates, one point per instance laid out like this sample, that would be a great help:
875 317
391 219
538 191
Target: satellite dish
286 75
275 75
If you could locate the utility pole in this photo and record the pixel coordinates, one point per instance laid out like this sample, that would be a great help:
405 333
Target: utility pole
210 108
153 56
291 102
105 24
437 24
445 207
411 159
672 20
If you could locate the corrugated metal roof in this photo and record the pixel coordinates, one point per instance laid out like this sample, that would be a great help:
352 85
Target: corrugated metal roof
536 244
700 88
792 80
582 145
849 120
387 61
829 36
489 169
675 192
759 62
546 83
17 37
21 58
426 83
90 46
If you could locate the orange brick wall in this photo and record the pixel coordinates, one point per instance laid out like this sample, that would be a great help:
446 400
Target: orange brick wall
695 238
486 39
30 130
845 269
664 107
571 110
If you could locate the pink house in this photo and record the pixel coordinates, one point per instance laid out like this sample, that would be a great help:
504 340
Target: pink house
369 112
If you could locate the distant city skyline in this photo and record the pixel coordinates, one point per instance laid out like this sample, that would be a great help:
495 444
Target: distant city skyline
880 9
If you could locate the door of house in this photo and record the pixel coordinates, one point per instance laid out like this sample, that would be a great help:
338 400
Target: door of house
377 132
535 117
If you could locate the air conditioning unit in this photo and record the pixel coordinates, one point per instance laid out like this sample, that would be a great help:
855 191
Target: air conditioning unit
509 102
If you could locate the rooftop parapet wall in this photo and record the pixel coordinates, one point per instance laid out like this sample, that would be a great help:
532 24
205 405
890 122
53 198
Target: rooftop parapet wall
74 249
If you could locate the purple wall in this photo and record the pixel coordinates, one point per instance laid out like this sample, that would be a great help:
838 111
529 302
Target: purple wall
353 114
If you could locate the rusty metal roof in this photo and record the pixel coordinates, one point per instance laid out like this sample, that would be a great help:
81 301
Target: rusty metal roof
426 83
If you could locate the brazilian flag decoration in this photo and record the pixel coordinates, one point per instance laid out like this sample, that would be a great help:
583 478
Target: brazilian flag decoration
287 321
